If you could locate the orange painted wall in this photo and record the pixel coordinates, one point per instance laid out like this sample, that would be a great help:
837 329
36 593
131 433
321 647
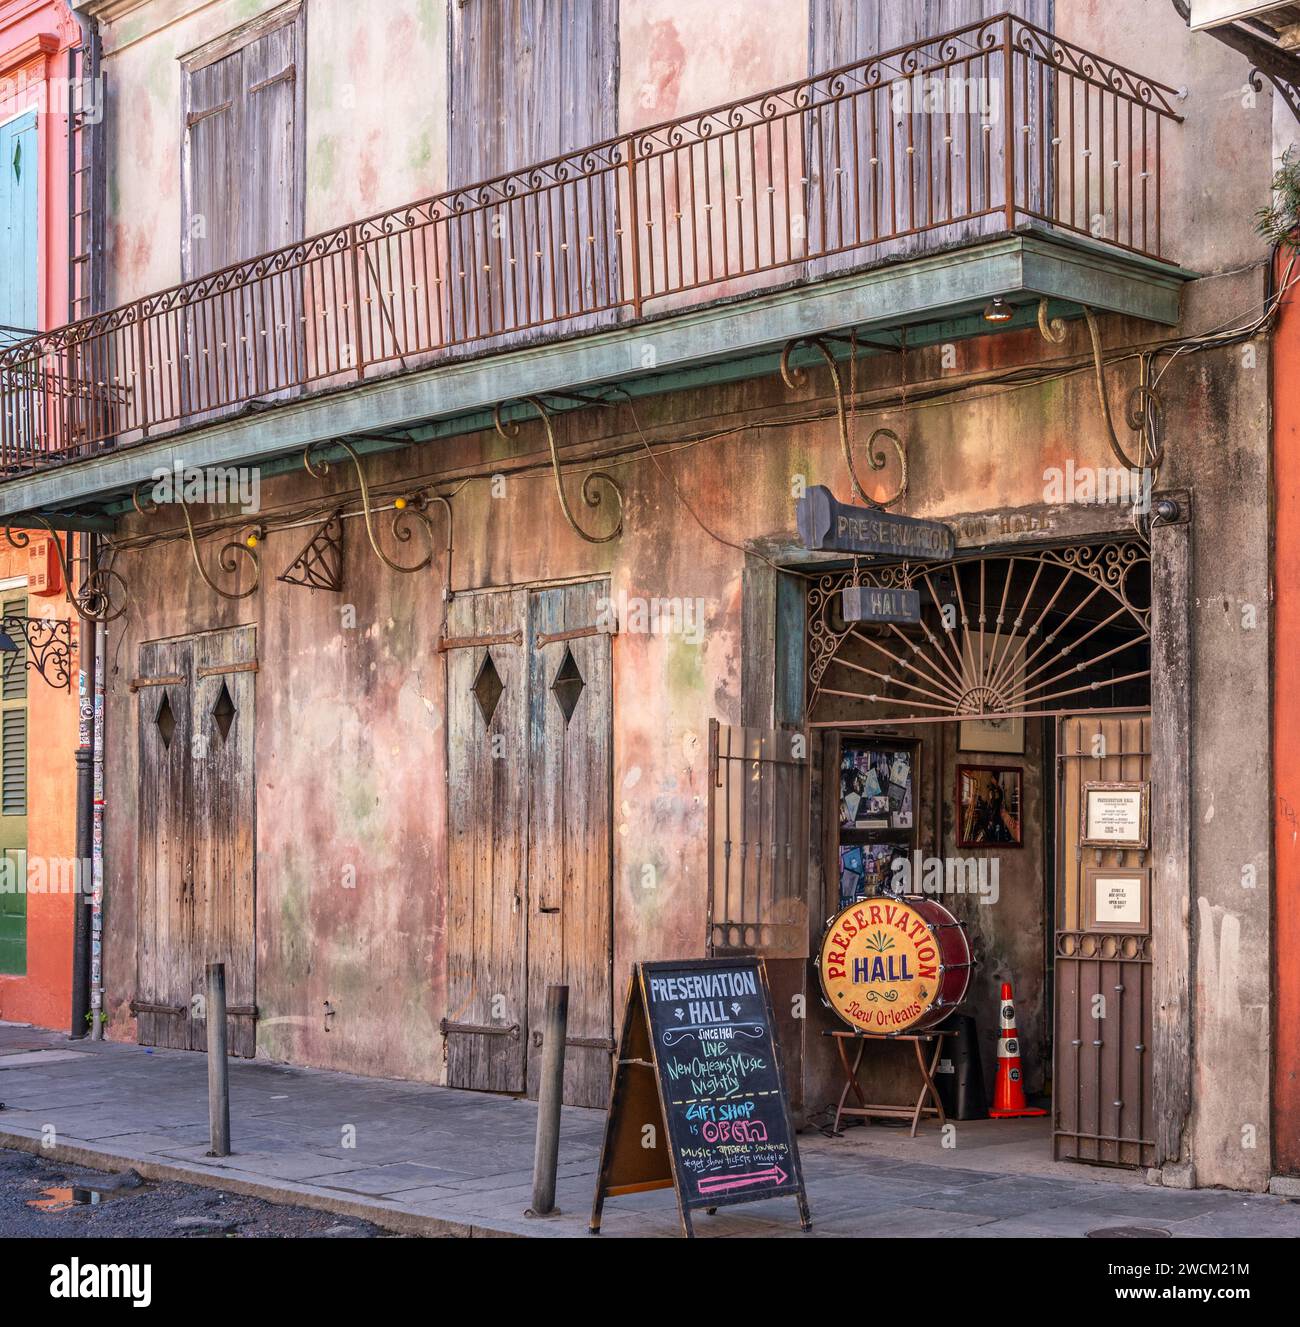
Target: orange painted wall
1286 749
34 41
44 995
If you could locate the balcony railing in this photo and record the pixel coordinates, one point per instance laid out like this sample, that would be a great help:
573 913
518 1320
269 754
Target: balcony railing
967 134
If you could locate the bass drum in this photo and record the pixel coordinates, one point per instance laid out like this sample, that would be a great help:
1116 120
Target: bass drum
894 964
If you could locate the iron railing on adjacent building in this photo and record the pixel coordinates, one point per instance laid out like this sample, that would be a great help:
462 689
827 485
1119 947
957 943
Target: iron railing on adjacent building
970 133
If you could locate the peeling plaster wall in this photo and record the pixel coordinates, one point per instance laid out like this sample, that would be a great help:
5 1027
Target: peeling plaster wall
350 728
349 750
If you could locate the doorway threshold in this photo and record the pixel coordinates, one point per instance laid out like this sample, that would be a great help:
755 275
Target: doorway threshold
1004 1147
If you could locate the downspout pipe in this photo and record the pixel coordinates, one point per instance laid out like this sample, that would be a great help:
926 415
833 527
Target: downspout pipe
82 1020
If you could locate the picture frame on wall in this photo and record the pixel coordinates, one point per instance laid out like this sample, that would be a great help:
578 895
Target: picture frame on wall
996 736
990 806
1117 898
1116 815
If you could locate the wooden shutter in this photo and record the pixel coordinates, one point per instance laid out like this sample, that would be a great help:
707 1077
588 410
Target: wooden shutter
487 842
13 734
13 671
223 828
243 197
530 80
164 852
759 807
212 137
13 798
18 236
243 164
570 884
852 199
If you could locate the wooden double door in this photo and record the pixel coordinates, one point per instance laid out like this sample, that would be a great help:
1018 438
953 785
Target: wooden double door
529 709
196 850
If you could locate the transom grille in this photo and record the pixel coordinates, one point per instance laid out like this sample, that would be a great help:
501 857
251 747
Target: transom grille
1028 633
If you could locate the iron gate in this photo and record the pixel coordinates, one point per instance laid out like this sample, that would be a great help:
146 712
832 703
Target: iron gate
1102 1098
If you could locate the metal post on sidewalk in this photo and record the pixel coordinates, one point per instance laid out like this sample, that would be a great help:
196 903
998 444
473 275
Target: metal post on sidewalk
550 1095
218 1075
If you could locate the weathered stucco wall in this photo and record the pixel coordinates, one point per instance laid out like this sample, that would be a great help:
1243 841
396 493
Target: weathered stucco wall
1226 136
349 749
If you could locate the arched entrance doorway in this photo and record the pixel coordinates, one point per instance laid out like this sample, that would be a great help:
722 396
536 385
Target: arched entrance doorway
1006 731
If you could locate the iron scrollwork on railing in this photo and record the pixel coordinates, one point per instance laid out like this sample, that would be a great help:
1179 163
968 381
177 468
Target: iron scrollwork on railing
590 492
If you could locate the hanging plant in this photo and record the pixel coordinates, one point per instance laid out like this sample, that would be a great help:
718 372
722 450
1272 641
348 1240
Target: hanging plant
1278 223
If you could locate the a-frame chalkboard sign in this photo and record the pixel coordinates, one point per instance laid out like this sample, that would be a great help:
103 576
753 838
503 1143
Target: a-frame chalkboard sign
699 1100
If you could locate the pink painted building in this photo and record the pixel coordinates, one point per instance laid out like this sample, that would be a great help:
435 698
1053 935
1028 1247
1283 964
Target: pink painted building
40 45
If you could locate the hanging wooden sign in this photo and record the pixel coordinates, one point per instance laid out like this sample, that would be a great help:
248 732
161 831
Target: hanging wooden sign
699 1099
825 523
869 603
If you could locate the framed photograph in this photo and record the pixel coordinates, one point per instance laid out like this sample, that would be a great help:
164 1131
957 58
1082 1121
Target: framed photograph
1116 898
989 806
1115 815
996 736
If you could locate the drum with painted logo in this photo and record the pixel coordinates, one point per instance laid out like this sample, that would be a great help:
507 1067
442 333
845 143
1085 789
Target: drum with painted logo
894 964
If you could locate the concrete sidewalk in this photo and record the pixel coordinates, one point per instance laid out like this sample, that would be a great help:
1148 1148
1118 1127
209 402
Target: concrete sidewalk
431 1160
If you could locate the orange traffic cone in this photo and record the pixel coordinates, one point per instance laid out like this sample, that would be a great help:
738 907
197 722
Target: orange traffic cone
1009 1091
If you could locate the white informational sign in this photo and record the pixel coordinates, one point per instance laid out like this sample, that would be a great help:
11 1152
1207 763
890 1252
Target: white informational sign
1115 815
1118 900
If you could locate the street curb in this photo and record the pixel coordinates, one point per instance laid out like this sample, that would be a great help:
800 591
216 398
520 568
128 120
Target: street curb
376 1211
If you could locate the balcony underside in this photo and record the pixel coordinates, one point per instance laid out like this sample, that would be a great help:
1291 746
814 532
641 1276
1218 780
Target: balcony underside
935 298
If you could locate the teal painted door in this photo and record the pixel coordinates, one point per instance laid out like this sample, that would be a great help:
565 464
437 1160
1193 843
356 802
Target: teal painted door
18 250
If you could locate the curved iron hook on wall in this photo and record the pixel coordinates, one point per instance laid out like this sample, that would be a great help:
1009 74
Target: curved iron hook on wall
795 377
590 494
1144 413
403 508
95 599
227 558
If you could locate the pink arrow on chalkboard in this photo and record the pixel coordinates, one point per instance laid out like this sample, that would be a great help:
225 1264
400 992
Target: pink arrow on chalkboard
722 1183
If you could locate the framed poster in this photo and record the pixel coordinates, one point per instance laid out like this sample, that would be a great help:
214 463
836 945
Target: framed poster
989 806
1116 898
1115 815
876 789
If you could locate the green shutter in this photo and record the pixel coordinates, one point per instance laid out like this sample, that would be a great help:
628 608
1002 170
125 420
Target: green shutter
13 671
13 799
13 762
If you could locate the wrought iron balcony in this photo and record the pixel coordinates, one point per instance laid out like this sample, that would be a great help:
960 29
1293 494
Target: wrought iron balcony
983 130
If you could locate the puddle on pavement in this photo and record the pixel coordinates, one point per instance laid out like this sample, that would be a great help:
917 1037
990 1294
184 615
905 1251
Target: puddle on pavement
66 1197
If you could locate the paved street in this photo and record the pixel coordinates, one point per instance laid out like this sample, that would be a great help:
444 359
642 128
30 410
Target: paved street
428 1160
42 1198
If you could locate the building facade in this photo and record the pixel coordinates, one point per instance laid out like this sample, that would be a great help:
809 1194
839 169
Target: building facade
40 46
461 636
